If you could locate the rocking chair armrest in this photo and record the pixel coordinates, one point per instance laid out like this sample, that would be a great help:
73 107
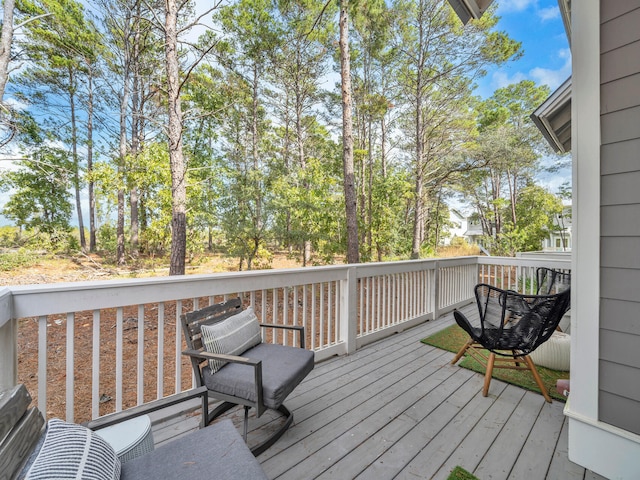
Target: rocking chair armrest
221 356
299 328
146 408
256 364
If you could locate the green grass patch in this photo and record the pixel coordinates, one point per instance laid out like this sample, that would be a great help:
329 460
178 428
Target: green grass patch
459 473
452 338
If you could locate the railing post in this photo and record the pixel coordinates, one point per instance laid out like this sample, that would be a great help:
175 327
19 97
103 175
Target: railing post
348 310
436 290
8 343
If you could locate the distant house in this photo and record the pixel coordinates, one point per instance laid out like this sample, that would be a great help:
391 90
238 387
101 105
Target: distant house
474 233
559 239
457 226
463 226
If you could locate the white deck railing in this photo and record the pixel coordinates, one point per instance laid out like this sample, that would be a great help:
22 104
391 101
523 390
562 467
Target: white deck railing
122 337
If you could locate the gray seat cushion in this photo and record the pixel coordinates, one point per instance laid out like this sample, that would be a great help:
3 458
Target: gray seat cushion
283 368
217 451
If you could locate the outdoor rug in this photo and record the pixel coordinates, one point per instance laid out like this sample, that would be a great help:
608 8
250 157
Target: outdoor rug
452 338
459 473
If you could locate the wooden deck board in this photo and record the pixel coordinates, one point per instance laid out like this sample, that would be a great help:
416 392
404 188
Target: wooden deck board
398 409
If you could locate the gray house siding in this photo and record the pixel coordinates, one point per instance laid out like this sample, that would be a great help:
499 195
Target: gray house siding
619 363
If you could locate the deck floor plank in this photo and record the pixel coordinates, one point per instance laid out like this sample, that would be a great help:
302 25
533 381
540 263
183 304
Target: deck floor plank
540 445
397 409
561 466
366 441
387 392
504 451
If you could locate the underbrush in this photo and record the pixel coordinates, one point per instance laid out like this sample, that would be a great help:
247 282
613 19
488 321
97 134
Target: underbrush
13 259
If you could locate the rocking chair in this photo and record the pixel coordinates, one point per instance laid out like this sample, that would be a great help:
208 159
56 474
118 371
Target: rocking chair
229 358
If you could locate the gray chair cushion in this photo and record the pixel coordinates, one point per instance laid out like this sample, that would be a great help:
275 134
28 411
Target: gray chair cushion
283 368
217 451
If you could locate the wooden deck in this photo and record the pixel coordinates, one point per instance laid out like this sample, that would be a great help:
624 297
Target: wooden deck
398 409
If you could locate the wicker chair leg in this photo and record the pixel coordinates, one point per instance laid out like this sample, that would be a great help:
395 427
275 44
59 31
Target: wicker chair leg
462 351
537 378
487 375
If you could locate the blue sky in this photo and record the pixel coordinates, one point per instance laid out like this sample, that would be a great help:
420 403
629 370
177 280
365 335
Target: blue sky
546 59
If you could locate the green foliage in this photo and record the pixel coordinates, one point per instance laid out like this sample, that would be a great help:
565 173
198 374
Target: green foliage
12 260
107 240
260 123
40 198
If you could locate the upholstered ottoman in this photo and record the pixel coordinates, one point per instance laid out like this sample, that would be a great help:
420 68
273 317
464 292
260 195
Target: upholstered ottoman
555 353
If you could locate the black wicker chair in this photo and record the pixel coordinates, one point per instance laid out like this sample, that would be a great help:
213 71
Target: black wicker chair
512 325
550 281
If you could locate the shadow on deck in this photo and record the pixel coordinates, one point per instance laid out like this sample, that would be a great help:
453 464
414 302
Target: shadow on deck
398 409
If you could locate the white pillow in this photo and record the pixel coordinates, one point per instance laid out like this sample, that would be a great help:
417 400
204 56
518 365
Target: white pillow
72 451
232 336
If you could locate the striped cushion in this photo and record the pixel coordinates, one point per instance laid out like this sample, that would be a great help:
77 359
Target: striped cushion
232 336
72 451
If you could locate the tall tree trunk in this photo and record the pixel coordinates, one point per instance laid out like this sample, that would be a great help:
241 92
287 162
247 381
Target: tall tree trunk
418 213
176 155
350 199
370 193
90 185
76 162
5 45
254 148
302 162
124 101
135 137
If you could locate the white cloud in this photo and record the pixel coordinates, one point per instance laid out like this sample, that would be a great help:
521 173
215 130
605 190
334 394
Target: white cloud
549 13
515 5
501 79
553 78
542 76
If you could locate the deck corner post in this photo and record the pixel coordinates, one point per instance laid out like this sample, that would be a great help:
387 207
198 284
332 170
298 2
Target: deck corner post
9 354
348 310
436 290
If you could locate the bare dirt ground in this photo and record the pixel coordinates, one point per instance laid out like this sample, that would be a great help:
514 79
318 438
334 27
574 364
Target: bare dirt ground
54 270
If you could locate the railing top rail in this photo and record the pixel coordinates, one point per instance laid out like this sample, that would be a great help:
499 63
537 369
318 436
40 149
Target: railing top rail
525 262
79 296
45 299
386 268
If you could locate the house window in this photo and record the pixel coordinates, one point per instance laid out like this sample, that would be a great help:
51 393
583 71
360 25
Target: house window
558 243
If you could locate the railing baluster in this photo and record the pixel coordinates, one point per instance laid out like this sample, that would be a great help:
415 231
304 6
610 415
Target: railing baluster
361 318
321 291
140 354
42 363
329 329
295 319
70 367
178 348
95 366
160 352
285 312
119 332
274 314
